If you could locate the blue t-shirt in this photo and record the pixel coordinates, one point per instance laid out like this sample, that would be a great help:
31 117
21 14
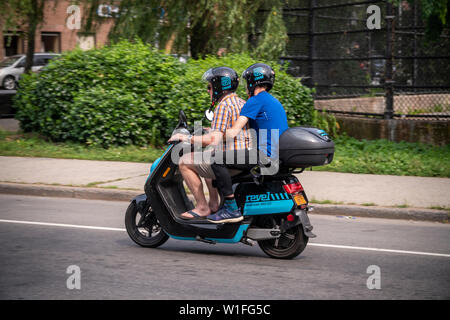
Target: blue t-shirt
265 112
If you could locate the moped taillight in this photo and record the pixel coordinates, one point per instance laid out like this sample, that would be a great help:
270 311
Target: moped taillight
293 188
296 191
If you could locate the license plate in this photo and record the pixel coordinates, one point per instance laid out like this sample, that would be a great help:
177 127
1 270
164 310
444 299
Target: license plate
299 199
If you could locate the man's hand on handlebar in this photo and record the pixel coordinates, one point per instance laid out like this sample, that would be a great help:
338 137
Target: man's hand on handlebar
178 137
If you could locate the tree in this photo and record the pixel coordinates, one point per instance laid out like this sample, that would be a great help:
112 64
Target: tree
435 14
199 27
274 35
25 15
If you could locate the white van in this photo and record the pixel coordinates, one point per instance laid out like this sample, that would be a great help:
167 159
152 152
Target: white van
12 67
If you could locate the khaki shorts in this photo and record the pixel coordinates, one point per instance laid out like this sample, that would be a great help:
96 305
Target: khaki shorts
201 162
202 167
204 170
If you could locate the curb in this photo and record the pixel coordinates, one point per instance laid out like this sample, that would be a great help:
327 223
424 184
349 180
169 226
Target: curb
418 214
68 192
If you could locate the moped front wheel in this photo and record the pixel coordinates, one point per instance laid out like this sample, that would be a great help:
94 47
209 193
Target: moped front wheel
289 245
144 228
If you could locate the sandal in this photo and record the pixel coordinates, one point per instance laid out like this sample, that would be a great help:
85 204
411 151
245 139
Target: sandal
194 216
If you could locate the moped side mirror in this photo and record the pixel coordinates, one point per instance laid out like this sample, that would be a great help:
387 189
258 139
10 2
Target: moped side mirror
209 114
182 122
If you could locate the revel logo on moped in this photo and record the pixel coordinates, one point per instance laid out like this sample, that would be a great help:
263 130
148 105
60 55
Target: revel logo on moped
266 197
267 203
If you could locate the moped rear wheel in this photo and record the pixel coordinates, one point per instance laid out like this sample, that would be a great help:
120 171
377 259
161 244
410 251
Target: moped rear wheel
289 245
144 229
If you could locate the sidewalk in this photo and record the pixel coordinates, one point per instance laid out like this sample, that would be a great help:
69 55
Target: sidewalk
330 192
9 124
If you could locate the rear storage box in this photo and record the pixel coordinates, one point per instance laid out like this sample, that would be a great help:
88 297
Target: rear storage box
302 147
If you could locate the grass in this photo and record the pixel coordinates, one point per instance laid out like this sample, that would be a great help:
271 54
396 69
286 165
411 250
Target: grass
313 200
387 157
351 155
31 145
368 204
439 208
435 108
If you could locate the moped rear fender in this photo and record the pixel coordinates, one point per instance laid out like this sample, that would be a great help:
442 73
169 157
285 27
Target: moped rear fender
301 217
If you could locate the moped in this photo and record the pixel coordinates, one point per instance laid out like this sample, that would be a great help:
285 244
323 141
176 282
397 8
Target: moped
275 207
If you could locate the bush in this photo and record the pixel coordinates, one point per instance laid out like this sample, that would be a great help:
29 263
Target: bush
326 121
115 95
129 93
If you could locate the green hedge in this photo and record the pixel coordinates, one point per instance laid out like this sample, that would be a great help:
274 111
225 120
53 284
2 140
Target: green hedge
130 93
110 96
192 96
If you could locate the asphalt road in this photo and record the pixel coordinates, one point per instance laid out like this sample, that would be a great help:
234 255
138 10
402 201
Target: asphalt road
34 259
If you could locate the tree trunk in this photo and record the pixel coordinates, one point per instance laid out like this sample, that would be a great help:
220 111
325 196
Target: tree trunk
30 50
200 41
33 21
169 44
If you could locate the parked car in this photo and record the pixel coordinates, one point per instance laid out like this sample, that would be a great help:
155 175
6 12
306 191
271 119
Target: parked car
12 67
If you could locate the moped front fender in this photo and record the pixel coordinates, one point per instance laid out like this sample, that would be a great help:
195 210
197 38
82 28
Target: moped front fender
141 203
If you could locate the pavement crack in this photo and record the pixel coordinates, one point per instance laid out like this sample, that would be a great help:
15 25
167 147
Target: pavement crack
97 183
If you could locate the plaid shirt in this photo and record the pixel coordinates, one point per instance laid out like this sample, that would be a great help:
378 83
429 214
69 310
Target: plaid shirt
225 115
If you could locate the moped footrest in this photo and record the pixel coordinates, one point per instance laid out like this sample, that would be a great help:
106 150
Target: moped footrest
198 238
194 221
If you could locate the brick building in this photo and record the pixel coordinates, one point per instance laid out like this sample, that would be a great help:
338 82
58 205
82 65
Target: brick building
59 32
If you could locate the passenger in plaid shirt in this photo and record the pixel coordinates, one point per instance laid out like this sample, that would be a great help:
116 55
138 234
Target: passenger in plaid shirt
222 84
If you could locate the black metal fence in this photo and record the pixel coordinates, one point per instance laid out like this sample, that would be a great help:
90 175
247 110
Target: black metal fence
388 72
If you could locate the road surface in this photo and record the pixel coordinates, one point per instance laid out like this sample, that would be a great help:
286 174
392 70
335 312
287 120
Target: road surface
46 242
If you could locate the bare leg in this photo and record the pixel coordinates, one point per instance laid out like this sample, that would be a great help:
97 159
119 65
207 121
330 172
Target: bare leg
214 200
194 184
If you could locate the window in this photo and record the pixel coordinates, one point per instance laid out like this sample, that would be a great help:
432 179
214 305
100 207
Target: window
12 44
38 61
9 61
42 60
50 42
21 63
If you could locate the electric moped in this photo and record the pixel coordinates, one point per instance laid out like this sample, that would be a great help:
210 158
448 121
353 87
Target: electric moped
275 207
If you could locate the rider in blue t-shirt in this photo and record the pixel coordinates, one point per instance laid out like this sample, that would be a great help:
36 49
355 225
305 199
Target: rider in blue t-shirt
264 112
266 116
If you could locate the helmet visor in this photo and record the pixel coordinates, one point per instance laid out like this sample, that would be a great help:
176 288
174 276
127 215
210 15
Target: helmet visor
208 75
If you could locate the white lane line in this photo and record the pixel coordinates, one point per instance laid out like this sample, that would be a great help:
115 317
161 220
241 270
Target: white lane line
309 244
379 250
62 225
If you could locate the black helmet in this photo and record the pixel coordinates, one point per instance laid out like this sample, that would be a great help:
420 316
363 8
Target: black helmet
222 79
258 74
